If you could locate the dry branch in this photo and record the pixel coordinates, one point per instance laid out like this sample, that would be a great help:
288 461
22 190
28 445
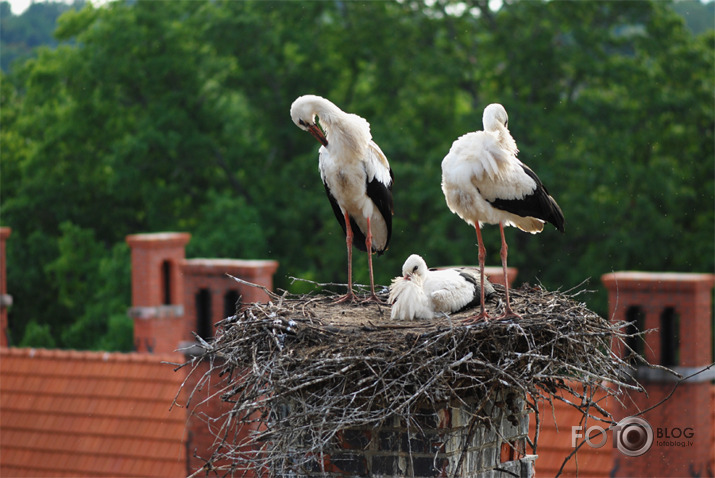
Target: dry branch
302 369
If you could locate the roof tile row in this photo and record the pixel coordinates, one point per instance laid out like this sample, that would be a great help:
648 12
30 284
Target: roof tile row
70 413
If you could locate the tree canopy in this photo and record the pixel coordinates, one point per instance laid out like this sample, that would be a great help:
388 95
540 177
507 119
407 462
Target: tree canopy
21 34
153 116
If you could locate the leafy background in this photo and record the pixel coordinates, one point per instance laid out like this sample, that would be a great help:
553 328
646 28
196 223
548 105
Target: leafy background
149 116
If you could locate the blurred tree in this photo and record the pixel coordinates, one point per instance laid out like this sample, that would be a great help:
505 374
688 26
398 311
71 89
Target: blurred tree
174 116
21 34
114 137
38 335
225 216
699 16
598 77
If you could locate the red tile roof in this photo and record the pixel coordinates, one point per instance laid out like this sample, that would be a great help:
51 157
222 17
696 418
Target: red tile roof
68 413
74 414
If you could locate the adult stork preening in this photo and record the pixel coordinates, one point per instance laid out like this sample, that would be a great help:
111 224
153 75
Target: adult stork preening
484 183
356 176
422 293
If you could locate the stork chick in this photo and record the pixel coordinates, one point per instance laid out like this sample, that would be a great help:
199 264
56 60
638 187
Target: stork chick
422 293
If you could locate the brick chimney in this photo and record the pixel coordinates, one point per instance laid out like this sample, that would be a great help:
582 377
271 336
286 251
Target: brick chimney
495 274
157 290
210 295
679 306
173 297
5 299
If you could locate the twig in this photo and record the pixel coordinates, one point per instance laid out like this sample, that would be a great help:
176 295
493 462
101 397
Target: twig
301 369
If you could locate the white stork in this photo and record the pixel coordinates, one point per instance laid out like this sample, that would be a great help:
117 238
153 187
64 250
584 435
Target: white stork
356 176
422 293
484 183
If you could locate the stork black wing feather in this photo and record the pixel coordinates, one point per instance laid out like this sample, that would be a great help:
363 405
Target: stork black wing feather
538 204
381 195
476 294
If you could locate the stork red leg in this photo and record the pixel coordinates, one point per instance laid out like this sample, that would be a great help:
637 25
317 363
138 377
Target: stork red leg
368 245
482 257
349 297
504 250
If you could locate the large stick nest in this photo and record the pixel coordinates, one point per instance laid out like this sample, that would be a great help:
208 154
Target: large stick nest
339 366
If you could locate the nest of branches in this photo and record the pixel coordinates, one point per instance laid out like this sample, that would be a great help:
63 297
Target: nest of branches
299 369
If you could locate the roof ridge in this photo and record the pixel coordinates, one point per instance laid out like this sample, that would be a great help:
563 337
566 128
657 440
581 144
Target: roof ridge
90 355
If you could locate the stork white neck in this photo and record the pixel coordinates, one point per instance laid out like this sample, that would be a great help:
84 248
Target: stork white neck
346 133
495 121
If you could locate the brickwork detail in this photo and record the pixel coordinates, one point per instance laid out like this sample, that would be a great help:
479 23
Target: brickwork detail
210 275
688 297
156 278
149 254
165 285
200 437
496 274
167 292
446 442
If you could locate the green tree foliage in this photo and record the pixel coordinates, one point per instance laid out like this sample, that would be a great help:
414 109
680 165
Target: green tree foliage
38 335
93 290
157 116
698 16
21 34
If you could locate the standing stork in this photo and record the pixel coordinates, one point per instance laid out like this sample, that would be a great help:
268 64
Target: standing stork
484 183
356 176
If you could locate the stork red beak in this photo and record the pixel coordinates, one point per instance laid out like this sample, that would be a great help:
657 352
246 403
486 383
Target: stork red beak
407 277
318 134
